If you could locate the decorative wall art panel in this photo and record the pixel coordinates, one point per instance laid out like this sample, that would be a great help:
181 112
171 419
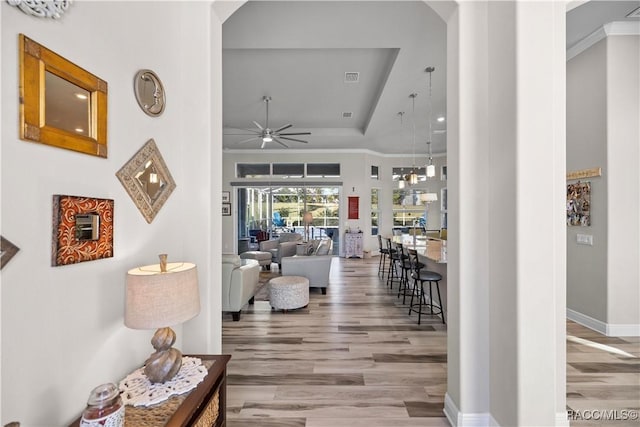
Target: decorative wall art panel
147 180
579 204
82 229
7 251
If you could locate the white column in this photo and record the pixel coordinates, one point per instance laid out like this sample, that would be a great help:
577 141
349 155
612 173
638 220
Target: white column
506 151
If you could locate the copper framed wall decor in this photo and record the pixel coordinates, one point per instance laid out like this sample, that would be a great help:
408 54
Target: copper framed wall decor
147 180
61 104
82 229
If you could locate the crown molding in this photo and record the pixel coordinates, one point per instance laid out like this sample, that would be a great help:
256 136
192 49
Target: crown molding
617 28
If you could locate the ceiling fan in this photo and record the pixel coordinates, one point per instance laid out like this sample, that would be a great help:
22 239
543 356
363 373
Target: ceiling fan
266 134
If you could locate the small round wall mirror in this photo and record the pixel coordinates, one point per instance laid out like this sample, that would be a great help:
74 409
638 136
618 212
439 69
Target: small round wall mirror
149 92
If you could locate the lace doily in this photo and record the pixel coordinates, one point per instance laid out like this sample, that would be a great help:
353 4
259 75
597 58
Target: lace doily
137 390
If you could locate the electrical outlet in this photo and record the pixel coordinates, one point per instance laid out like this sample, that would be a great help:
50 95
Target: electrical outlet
584 239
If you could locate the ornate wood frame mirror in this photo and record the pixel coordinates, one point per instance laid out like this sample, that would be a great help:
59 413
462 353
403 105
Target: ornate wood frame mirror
61 104
147 180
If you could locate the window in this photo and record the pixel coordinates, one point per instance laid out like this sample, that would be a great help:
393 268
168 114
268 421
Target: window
253 170
323 170
375 210
288 170
374 172
408 209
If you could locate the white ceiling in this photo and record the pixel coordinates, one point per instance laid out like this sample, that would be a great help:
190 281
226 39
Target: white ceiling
297 52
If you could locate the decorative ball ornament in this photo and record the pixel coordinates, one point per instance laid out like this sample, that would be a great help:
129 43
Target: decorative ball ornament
53 9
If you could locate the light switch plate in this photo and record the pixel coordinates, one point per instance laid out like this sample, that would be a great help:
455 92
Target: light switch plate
584 239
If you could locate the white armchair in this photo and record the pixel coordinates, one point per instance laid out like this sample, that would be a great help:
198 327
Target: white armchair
284 246
239 281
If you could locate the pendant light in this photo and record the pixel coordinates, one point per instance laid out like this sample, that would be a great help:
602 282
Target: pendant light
431 169
413 176
401 181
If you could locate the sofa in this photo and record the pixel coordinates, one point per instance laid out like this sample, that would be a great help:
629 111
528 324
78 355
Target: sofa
284 246
239 281
315 266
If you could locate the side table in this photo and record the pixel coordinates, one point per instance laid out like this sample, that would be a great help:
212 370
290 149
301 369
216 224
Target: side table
205 405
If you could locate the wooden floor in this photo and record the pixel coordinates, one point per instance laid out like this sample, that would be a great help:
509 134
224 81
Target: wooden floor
355 358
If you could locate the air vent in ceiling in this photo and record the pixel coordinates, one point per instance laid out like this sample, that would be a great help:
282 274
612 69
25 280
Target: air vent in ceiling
351 77
347 115
634 14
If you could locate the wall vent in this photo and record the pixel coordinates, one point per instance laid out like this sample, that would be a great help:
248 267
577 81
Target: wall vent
347 115
634 13
351 77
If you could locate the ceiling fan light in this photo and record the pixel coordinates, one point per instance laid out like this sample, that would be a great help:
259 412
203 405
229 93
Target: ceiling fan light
267 138
431 171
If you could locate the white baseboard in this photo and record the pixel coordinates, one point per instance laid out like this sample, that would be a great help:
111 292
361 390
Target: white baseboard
622 330
608 329
562 419
459 419
588 321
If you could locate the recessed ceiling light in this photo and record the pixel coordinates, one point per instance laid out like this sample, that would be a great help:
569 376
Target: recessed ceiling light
79 130
81 96
440 119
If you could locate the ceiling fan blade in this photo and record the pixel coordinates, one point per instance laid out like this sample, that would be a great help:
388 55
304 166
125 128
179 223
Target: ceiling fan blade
258 125
280 142
293 139
282 128
247 134
249 140
296 133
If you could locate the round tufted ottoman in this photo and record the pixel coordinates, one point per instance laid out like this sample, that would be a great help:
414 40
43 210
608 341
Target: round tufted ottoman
288 292
263 258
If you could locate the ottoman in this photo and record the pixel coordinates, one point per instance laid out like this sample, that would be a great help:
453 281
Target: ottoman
288 292
263 258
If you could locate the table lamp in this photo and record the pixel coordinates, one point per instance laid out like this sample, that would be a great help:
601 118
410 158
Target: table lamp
160 296
307 219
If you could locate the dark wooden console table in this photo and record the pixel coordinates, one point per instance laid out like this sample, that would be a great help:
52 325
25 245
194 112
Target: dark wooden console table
206 405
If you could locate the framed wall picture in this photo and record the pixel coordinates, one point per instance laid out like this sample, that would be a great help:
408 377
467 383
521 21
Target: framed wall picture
226 197
82 229
226 209
353 207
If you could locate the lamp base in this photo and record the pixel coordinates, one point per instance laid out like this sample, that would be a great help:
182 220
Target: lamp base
165 363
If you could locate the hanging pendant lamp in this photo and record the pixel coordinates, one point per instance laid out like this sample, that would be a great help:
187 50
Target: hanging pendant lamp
431 169
413 175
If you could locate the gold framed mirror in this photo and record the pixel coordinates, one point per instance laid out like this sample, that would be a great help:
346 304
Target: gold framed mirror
61 104
147 180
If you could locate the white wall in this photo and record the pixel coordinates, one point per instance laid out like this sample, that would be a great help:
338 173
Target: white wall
586 148
623 165
356 179
602 131
62 327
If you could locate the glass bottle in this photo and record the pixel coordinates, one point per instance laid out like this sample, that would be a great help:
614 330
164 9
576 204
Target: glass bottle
104 408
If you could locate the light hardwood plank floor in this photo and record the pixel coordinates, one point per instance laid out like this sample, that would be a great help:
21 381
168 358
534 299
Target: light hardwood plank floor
354 357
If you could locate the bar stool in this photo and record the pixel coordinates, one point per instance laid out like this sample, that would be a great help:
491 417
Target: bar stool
423 276
405 289
384 252
395 256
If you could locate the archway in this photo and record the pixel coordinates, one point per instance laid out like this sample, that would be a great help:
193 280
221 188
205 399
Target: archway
506 184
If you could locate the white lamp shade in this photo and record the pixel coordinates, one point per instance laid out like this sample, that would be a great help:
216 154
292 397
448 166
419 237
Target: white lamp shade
431 171
429 197
401 183
157 300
